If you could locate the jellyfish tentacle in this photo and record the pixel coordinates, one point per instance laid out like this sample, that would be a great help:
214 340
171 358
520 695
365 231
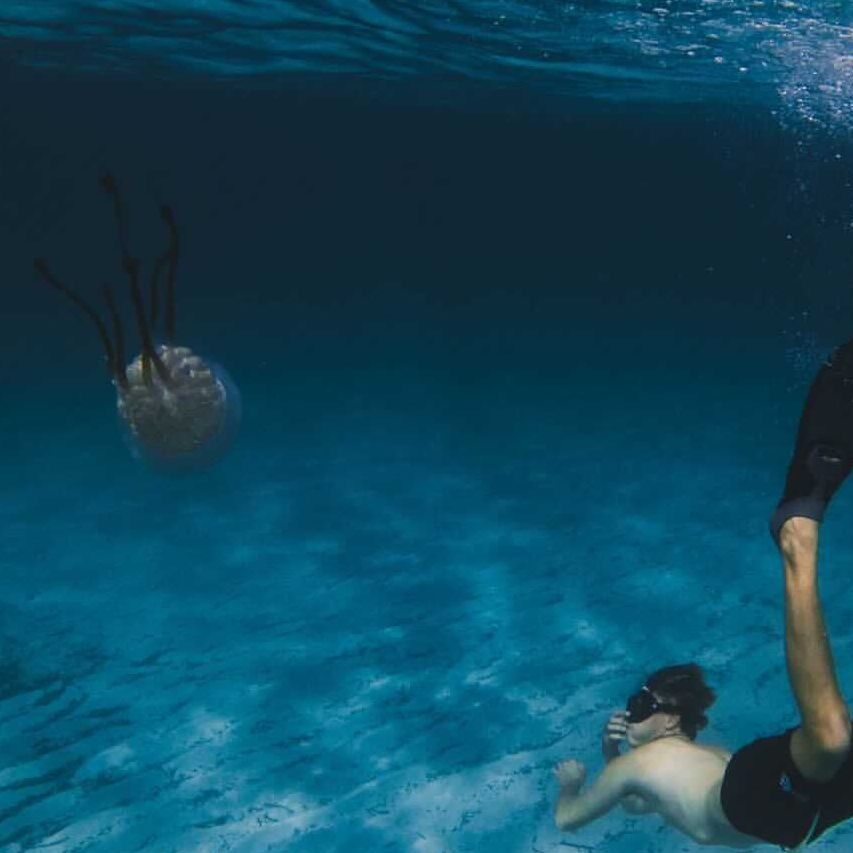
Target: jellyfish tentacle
115 368
154 291
172 254
131 268
108 183
118 336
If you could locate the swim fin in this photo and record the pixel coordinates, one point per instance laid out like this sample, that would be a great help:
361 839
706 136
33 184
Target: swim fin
823 453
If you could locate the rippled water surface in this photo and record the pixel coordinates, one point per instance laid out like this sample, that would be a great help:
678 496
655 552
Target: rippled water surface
673 49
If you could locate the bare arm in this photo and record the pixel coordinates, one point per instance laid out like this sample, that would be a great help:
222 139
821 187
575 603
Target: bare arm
632 803
576 807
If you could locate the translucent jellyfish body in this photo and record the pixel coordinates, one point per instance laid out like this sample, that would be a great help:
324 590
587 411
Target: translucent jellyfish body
190 419
179 410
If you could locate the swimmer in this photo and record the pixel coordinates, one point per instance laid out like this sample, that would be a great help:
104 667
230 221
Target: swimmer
788 789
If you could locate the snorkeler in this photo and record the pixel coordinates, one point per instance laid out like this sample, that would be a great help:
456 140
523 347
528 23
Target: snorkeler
788 789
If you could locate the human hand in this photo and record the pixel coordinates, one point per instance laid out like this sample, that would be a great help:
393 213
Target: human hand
570 774
615 732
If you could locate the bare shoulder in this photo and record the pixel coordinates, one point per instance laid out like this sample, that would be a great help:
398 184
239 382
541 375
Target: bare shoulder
632 767
651 753
666 750
668 744
637 775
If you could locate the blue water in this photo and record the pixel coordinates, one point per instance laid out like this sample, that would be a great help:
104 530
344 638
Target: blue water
522 300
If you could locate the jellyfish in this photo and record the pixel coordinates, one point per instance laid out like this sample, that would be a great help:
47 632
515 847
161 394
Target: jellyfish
179 410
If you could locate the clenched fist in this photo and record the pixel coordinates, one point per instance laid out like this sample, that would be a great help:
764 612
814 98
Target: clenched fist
570 774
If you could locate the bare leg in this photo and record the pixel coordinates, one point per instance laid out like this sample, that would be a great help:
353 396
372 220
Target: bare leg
820 746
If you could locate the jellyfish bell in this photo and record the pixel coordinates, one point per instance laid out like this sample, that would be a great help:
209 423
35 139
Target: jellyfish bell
187 422
179 410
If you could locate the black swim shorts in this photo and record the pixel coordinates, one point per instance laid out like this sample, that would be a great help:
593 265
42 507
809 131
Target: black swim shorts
764 795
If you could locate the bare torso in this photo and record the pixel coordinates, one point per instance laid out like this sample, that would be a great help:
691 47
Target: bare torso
682 782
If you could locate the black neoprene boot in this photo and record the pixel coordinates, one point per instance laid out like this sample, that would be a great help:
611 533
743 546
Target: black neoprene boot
823 454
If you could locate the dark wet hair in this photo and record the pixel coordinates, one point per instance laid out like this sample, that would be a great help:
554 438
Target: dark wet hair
684 686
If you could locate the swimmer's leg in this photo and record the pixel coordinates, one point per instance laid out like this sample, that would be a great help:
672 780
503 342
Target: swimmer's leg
821 744
823 455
